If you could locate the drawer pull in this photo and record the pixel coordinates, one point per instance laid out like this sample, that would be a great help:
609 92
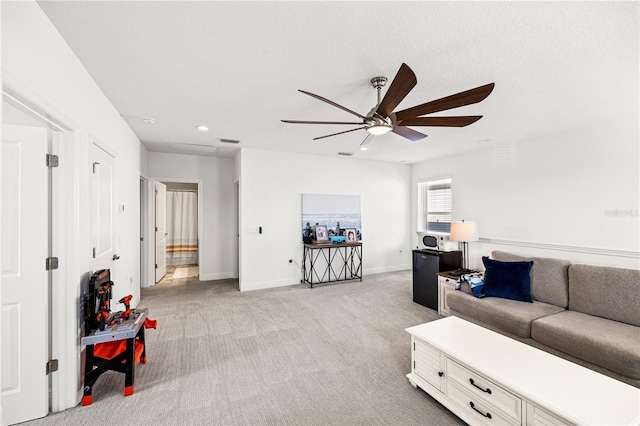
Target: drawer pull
488 415
440 373
487 390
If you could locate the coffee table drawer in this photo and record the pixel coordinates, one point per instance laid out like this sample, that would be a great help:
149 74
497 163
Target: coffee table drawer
484 390
482 412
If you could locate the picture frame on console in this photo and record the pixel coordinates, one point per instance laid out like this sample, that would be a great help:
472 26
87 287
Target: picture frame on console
352 235
322 236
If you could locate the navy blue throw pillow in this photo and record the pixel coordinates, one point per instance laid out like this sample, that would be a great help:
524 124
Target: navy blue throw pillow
509 280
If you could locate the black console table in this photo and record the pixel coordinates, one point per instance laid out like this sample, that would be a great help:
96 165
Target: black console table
324 263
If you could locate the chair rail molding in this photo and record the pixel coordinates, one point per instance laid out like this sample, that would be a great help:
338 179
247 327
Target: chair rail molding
561 247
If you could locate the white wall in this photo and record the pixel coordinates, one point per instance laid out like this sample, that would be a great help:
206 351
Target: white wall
271 186
217 175
144 161
555 192
37 62
1 106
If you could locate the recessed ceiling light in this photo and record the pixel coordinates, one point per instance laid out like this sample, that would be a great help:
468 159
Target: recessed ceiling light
364 148
403 161
148 120
202 128
484 140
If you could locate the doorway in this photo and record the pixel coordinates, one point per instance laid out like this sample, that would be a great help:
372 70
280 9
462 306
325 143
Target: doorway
182 248
33 299
182 229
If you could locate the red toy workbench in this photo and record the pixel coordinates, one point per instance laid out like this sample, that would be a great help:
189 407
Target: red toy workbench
119 347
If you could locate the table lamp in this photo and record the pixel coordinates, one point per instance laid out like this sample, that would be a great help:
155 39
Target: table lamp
463 232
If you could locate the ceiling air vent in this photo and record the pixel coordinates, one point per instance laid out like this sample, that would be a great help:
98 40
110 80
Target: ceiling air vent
194 147
346 154
229 140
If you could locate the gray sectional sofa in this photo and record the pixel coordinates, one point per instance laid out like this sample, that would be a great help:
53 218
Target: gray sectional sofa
587 314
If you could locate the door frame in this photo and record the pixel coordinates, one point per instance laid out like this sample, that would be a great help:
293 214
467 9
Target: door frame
65 141
146 221
236 230
152 213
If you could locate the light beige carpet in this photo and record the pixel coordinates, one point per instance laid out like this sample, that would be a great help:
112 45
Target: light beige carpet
332 355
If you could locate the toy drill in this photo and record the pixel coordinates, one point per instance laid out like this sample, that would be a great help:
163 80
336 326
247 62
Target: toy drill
127 304
103 295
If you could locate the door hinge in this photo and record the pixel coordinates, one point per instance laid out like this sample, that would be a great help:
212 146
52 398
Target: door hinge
51 263
52 160
94 252
52 366
156 266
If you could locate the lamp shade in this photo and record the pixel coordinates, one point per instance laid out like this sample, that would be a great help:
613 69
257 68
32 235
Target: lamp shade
464 231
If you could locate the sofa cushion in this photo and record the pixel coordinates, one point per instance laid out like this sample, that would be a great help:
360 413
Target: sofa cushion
509 315
509 280
610 344
549 277
606 292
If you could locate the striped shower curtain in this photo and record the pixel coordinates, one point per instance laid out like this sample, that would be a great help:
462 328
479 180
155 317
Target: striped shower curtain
182 227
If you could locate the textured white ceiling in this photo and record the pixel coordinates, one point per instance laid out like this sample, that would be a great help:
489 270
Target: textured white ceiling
236 67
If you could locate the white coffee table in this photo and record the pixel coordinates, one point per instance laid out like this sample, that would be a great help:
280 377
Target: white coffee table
486 378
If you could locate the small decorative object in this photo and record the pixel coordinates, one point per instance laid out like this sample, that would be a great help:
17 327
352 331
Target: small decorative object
307 234
321 234
352 235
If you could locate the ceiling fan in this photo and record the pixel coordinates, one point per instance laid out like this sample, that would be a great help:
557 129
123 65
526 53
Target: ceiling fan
382 119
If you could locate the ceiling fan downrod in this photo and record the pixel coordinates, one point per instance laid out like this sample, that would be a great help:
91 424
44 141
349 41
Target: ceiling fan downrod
378 83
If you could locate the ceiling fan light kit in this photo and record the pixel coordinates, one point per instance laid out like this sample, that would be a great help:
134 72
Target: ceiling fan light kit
383 119
379 129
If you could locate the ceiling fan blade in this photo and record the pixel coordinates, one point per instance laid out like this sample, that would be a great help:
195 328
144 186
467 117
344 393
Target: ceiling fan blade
408 133
339 133
467 97
333 103
441 121
402 83
320 122
366 140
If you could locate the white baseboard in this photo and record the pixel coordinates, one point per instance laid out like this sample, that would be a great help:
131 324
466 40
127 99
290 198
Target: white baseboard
392 268
216 276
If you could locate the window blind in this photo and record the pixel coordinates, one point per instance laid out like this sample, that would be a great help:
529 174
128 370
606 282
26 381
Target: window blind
439 205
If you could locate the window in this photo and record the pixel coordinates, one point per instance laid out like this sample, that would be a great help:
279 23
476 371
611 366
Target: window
434 206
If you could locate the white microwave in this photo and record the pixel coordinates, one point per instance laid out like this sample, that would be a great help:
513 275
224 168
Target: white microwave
433 241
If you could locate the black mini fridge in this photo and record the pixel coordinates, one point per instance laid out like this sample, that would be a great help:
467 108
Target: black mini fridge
426 265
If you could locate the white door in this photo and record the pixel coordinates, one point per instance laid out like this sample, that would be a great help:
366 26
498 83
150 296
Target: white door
25 241
161 229
102 210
